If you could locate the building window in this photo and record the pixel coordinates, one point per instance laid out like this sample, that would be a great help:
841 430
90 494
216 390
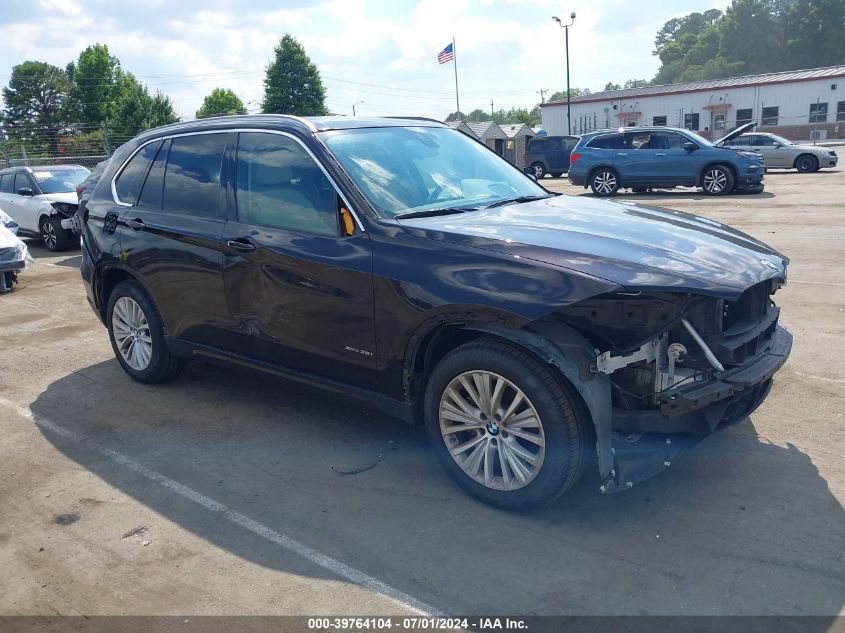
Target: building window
743 116
658 120
691 121
840 111
719 122
818 112
770 115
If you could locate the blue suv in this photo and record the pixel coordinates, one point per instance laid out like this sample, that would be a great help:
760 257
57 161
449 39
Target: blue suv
641 158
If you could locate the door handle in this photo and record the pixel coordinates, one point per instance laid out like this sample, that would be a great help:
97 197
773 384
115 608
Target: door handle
622 153
241 244
136 224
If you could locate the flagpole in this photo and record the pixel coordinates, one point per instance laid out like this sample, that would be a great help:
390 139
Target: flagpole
455 60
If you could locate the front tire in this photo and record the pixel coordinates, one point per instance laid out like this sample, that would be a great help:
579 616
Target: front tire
505 428
806 163
717 180
604 182
53 234
539 170
137 335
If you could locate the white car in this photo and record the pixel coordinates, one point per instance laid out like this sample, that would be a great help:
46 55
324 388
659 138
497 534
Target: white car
43 201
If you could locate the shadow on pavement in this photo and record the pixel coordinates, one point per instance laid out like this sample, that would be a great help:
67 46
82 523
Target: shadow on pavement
737 526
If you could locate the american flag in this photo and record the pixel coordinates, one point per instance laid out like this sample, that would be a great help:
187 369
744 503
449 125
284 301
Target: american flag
446 55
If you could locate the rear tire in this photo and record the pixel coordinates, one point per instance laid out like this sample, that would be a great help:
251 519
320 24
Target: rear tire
604 182
539 170
137 335
53 234
549 455
806 163
717 180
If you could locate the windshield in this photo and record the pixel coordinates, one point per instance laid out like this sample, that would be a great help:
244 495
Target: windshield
410 169
59 180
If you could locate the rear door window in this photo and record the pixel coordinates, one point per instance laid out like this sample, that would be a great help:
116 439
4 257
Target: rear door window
609 141
128 183
280 185
192 176
7 183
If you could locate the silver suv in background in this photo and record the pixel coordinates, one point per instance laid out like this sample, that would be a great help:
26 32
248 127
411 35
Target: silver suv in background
780 152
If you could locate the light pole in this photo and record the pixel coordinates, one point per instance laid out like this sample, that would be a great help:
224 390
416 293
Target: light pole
355 104
565 27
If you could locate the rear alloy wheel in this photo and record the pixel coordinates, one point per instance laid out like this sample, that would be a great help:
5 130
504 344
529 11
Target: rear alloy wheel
137 337
605 182
54 235
717 181
505 427
538 170
806 163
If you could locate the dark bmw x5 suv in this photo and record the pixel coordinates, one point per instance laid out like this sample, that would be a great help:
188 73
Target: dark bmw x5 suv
402 262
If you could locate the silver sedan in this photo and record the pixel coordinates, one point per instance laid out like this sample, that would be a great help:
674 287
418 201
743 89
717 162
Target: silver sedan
780 152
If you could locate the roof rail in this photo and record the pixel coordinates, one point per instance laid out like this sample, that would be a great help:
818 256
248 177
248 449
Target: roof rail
415 118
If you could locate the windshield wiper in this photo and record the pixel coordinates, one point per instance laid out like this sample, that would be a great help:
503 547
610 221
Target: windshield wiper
518 200
427 213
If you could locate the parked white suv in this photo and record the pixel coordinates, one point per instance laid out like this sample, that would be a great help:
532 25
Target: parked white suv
43 201
780 152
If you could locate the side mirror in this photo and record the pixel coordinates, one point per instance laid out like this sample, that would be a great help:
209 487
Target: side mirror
778 144
690 146
24 191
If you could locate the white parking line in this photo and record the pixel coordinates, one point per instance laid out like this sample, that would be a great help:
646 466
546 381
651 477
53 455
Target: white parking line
286 542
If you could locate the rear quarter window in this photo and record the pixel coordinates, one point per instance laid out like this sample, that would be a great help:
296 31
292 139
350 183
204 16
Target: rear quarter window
127 186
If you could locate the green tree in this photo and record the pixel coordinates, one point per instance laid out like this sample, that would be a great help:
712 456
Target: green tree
135 110
97 78
560 95
636 83
35 100
812 32
611 86
456 116
293 84
478 115
221 101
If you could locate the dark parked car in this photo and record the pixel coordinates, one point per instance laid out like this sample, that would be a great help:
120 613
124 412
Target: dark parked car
84 191
403 263
549 155
641 158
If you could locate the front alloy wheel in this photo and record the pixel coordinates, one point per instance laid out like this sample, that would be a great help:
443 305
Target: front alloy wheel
505 425
538 170
492 430
54 236
717 181
605 182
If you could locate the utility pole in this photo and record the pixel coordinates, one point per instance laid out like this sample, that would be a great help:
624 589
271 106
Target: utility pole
491 108
542 94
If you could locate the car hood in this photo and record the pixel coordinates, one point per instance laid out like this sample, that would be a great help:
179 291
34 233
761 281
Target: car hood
637 246
742 129
68 197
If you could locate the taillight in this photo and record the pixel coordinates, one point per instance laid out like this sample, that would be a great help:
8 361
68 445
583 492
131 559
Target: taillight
525 158
78 191
573 157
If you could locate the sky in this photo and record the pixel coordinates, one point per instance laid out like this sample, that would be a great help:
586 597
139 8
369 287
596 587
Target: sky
381 52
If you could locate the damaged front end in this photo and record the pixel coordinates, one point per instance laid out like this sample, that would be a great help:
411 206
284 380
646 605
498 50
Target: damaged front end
680 366
66 213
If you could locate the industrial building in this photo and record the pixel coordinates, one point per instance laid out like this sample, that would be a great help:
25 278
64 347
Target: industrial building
797 104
